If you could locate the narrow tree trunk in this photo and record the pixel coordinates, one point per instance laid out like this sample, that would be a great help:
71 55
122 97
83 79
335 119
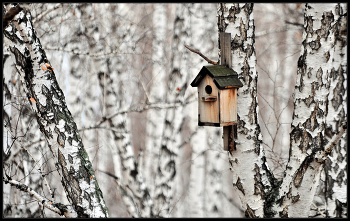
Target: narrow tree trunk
54 118
162 158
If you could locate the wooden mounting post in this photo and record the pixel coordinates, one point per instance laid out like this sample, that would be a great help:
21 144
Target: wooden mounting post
230 132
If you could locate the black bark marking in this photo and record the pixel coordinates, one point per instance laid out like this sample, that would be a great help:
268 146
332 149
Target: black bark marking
270 192
239 185
326 21
295 198
339 91
249 212
258 186
303 136
315 45
299 175
284 212
327 56
71 170
340 208
70 159
134 172
61 137
308 24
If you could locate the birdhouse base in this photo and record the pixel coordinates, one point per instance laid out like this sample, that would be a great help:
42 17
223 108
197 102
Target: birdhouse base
215 124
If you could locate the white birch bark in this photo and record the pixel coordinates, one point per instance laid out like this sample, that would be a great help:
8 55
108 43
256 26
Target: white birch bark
319 111
54 118
335 174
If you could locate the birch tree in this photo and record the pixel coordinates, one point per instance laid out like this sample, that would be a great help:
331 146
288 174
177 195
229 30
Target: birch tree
317 141
253 180
54 119
168 151
155 124
318 118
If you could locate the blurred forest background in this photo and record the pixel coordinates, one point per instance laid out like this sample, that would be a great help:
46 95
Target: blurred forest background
116 65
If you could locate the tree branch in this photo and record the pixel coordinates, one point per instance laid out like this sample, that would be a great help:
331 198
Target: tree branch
200 54
58 208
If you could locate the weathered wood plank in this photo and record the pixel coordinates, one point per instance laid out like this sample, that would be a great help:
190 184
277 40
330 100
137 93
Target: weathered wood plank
208 111
225 47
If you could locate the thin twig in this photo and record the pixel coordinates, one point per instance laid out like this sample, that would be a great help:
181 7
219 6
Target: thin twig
294 23
200 54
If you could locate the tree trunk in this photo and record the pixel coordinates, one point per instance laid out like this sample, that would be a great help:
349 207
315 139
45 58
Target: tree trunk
318 116
54 118
251 176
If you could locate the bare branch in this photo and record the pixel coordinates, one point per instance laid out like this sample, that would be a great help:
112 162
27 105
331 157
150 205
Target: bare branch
55 207
200 54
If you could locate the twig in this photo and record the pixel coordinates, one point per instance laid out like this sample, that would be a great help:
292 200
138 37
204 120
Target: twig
106 128
294 23
276 30
144 108
200 54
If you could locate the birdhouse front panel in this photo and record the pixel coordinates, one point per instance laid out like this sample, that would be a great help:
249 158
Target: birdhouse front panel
208 106
228 106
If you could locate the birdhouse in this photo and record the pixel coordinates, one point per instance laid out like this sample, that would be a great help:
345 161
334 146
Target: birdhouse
217 95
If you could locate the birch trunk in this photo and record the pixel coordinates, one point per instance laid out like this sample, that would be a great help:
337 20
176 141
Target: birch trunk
54 118
251 175
155 117
319 113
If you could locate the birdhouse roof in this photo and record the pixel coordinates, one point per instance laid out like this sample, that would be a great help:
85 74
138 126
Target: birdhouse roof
223 76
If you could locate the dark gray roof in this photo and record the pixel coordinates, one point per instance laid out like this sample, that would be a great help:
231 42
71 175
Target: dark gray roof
223 76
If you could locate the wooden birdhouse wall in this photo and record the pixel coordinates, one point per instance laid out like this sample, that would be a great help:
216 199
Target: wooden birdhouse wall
208 110
228 106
